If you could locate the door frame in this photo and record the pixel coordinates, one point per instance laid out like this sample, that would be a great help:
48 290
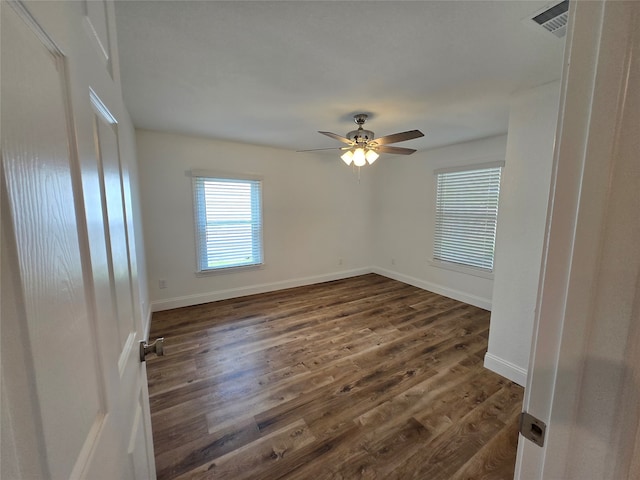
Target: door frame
597 53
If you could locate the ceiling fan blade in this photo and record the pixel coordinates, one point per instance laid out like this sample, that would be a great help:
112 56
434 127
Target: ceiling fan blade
396 150
318 149
398 137
337 137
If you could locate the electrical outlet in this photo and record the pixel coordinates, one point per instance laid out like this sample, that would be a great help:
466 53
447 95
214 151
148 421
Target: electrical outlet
393 261
340 261
162 283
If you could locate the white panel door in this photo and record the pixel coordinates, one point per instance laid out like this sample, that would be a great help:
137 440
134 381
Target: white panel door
584 367
74 390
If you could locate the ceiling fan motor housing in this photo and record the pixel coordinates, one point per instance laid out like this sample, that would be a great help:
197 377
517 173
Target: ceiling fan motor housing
361 135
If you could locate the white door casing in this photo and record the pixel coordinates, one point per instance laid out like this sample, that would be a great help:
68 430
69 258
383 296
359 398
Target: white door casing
584 368
74 393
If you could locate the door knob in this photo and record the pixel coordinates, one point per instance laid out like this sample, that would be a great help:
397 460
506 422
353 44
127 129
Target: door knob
156 347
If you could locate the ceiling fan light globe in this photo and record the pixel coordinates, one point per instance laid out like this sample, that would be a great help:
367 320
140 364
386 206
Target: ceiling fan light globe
359 158
347 157
371 156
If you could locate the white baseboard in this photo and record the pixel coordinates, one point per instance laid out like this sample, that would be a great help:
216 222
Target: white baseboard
435 288
506 369
188 300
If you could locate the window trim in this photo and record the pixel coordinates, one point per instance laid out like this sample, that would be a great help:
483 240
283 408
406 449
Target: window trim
460 268
470 167
453 266
219 175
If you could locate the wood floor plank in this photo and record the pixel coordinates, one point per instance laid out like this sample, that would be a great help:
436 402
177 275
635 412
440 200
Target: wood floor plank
360 378
175 436
494 461
248 461
455 445
205 447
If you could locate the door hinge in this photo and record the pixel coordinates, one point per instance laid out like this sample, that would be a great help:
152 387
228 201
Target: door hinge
532 429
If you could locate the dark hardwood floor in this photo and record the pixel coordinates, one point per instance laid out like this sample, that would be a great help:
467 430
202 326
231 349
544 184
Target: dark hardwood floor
362 378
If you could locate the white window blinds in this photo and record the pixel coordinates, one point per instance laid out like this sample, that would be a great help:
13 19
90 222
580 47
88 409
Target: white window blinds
466 216
228 222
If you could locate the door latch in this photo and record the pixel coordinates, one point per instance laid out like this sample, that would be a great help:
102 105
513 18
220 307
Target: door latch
532 429
156 347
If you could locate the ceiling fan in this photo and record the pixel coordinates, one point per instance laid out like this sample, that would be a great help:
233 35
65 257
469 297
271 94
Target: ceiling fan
364 148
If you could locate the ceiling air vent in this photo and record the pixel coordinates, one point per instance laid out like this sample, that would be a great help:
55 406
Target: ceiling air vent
554 19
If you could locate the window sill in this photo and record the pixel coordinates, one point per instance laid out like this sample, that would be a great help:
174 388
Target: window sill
476 272
222 271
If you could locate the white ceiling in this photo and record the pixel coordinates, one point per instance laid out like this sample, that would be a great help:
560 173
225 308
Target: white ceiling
274 72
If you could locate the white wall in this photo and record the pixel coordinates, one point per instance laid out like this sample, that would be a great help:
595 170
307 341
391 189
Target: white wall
522 214
316 212
404 208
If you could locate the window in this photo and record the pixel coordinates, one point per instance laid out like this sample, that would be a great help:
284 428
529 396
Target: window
466 215
228 222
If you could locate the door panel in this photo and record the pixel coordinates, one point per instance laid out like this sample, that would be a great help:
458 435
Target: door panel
22 441
96 22
37 170
111 186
